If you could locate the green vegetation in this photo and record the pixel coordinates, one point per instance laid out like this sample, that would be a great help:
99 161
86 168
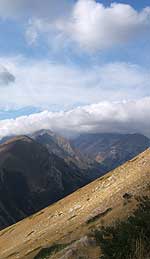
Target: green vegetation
129 239
46 252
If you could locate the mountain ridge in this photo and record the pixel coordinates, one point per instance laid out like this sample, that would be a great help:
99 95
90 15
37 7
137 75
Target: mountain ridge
111 149
112 197
31 179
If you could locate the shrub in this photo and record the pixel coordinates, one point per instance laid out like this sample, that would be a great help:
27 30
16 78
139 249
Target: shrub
129 239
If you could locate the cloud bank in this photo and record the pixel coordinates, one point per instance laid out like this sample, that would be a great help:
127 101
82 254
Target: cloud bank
122 117
63 87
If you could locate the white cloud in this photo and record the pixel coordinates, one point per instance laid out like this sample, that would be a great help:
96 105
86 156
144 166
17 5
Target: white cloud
96 27
124 117
48 85
55 86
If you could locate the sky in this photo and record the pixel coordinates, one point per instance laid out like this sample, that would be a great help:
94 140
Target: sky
74 66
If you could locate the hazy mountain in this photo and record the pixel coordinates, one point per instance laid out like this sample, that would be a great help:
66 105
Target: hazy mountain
63 148
31 178
57 145
108 218
98 152
111 149
54 143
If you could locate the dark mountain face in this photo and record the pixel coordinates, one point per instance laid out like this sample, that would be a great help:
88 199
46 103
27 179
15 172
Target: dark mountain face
31 178
62 147
111 149
55 144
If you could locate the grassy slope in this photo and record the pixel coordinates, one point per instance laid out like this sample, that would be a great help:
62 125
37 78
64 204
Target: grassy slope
70 220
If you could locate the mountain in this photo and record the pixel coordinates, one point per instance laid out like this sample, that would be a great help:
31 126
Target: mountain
5 139
108 218
98 153
31 178
55 143
63 148
111 149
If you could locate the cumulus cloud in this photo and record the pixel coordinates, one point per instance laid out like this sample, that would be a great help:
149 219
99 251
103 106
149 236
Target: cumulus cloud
60 86
122 117
93 26
6 77
96 27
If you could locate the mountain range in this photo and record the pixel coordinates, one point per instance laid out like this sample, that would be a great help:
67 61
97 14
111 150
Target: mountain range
42 168
108 218
111 149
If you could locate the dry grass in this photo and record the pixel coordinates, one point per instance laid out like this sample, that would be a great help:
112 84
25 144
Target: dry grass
65 220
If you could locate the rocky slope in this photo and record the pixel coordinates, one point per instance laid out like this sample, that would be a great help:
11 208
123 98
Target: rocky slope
62 147
31 178
111 150
70 228
55 143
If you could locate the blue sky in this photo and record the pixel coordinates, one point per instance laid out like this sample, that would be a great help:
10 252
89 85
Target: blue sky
65 56
135 3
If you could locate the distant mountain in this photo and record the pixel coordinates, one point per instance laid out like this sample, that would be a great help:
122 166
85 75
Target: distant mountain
110 149
56 144
63 148
31 178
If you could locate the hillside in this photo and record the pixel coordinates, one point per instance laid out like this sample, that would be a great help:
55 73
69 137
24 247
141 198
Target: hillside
111 149
31 178
66 230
